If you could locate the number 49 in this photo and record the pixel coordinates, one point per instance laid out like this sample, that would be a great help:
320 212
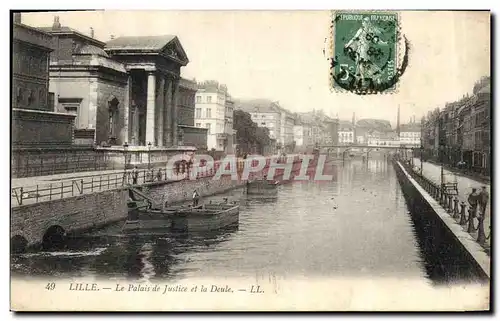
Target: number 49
50 286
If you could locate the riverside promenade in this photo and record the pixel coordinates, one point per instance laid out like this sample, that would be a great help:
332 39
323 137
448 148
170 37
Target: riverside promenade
464 186
31 190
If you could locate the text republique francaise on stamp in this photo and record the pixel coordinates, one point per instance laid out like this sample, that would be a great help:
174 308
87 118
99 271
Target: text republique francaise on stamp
368 52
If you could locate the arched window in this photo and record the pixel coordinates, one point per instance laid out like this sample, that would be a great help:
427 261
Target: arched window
112 116
31 97
19 96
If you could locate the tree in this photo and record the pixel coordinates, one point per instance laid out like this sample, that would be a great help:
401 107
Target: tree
248 133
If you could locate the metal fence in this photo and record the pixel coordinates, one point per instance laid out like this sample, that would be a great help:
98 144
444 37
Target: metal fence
464 214
97 183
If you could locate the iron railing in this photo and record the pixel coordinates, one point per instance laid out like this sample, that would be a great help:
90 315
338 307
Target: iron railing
102 182
463 214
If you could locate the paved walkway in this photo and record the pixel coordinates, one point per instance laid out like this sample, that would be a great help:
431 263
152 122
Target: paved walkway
45 188
464 186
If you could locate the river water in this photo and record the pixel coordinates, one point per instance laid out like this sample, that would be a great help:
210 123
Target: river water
357 225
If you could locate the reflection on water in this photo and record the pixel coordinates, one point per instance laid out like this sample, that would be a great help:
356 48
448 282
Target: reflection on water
355 226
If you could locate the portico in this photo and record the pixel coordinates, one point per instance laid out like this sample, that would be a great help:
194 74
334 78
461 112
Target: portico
151 105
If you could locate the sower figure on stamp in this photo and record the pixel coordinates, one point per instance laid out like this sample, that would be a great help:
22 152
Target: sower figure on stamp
361 41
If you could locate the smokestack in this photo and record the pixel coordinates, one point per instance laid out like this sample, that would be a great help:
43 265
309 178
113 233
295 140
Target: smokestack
91 32
17 17
56 25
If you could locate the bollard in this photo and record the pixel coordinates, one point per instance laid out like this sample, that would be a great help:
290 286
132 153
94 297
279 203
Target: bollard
481 236
463 219
455 208
470 228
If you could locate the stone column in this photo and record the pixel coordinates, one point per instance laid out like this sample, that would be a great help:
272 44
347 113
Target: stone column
168 112
125 132
160 105
150 111
175 106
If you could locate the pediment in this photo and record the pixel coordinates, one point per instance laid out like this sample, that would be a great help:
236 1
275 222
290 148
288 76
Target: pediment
174 50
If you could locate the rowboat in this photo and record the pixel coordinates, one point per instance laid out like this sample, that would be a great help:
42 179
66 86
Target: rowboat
262 187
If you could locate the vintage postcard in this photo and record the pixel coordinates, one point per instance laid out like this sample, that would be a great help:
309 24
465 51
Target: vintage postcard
335 160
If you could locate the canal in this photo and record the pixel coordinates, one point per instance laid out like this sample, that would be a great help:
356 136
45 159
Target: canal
357 225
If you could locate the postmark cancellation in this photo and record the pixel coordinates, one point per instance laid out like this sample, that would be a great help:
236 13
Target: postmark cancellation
368 52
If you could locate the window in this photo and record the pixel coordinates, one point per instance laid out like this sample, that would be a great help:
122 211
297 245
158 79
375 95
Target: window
113 117
198 113
31 97
19 96
209 99
198 99
263 124
209 127
209 112
198 124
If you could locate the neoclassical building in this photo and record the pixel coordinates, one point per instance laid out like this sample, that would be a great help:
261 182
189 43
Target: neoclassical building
125 92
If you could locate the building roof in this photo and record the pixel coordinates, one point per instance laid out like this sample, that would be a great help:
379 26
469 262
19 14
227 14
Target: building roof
91 50
188 84
32 35
257 106
64 30
411 127
153 43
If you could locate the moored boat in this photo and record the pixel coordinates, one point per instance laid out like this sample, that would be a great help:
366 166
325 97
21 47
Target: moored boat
207 217
262 187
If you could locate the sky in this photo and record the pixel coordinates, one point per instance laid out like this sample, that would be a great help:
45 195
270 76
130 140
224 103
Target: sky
279 55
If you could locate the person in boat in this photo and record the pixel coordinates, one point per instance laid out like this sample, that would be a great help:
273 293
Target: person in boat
159 175
225 200
196 198
135 175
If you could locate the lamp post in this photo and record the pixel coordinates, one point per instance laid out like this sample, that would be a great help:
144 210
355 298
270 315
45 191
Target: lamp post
125 150
421 157
149 156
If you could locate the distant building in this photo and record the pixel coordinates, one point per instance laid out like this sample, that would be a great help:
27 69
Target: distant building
462 130
303 131
323 129
190 135
278 120
214 111
409 134
346 133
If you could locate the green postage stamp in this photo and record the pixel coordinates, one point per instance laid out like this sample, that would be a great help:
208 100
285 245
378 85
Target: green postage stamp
368 52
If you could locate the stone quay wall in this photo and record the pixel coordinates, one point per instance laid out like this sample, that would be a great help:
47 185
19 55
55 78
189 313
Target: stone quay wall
449 252
31 222
72 214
